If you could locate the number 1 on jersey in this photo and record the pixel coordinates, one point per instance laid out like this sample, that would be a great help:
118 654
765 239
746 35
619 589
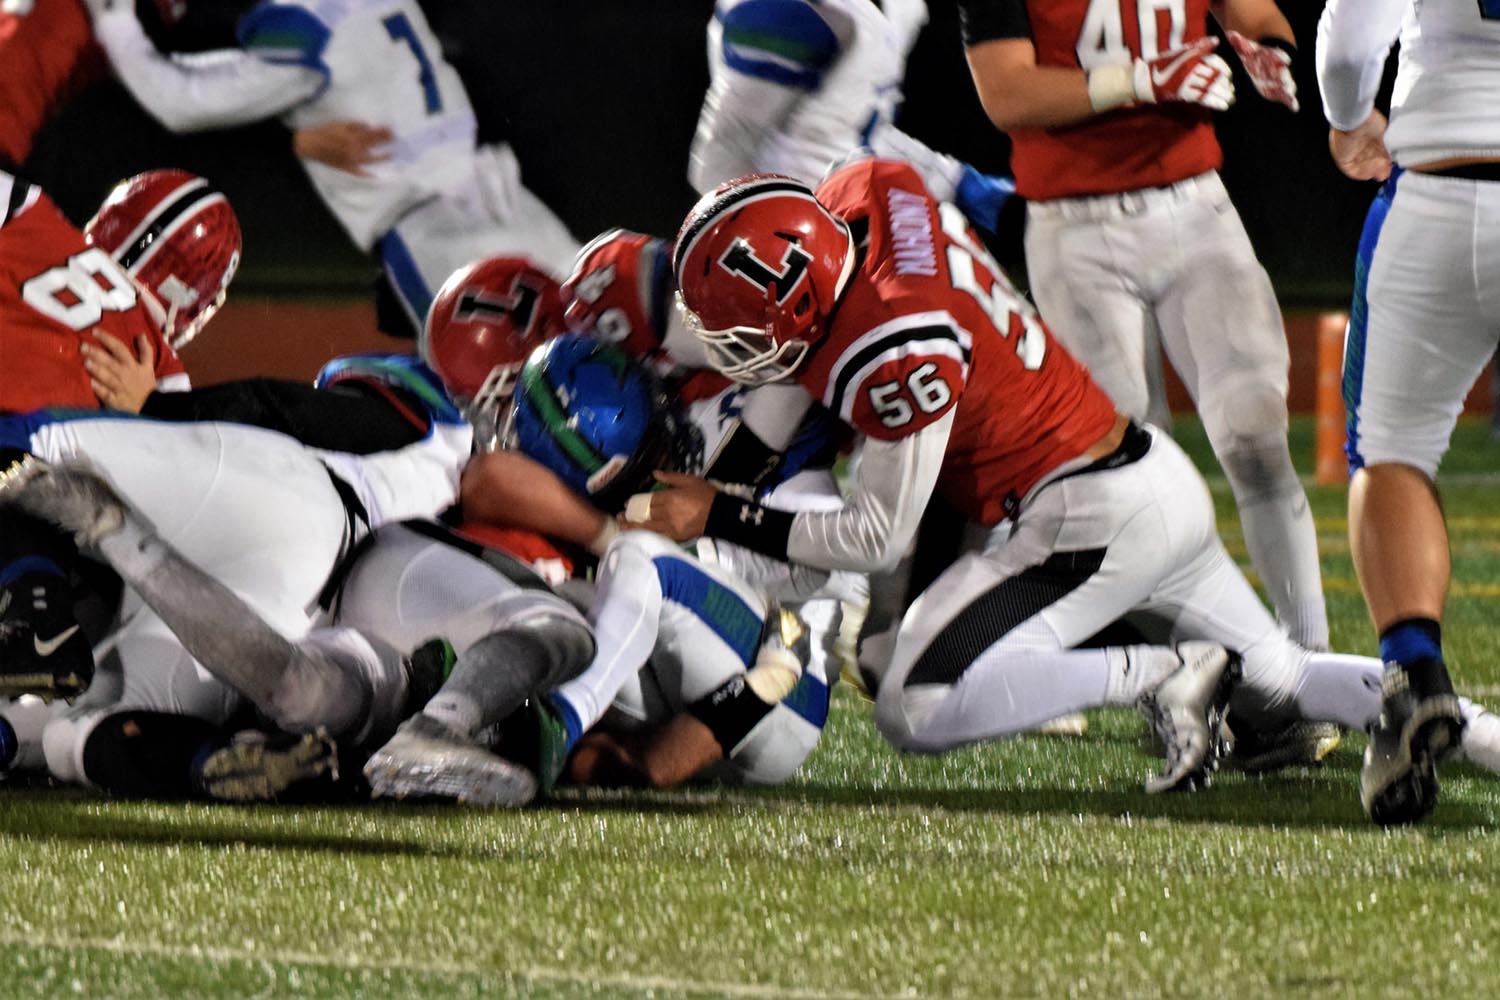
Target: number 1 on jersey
400 30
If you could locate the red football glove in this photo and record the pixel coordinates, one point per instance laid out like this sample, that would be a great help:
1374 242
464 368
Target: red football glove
1191 75
1270 70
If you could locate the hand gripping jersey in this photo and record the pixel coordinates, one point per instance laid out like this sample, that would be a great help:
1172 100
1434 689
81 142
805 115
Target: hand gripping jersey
55 290
47 54
384 66
1449 65
1127 149
929 324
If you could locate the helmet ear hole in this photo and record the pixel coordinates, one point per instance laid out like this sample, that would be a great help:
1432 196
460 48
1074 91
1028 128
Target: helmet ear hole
804 303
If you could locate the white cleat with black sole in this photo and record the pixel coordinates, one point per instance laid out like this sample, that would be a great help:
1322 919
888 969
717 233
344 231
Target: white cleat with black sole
1186 710
426 759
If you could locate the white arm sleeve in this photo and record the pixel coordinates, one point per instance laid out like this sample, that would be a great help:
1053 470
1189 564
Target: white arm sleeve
208 90
774 412
739 114
893 484
742 114
1354 38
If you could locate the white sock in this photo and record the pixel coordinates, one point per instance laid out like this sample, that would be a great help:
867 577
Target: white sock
1134 670
1337 687
1481 742
1283 545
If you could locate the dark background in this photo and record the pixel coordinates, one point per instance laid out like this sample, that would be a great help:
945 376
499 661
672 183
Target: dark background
599 99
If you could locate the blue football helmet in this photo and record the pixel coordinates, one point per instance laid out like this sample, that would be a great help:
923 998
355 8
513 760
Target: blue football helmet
599 420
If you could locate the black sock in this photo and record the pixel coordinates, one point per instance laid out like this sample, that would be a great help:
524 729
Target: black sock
149 754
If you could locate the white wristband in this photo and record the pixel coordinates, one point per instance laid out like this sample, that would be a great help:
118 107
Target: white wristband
606 535
1112 87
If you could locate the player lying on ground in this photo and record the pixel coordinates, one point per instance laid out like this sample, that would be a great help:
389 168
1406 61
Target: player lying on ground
490 317
680 651
257 510
879 301
350 682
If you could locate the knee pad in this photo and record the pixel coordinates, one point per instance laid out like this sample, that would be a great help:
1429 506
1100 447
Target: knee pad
1249 407
1247 424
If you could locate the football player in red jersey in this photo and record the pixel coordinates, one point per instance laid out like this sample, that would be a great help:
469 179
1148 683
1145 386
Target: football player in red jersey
47 54
880 302
75 307
1133 245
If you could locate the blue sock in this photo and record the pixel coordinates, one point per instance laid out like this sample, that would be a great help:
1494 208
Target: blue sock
8 744
569 716
1412 639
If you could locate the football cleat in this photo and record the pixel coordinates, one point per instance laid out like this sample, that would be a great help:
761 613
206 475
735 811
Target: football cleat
427 759
1186 711
1298 744
73 498
43 651
1420 723
258 768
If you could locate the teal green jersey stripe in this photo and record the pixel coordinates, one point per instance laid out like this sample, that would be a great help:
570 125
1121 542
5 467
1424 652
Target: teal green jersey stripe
541 396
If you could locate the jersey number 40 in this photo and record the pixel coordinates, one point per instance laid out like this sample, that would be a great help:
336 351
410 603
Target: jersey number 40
1101 40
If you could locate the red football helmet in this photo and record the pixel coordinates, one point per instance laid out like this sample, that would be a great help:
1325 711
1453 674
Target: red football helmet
621 290
487 318
179 239
760 265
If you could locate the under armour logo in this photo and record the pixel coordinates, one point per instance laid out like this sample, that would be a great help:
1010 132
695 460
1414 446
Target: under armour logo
740 260
751 514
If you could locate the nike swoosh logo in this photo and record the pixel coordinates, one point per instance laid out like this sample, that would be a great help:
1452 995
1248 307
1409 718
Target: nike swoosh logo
1162 75
46 647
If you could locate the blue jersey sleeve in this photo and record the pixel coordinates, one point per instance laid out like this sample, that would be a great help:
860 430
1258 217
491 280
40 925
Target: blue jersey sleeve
285 35
782 41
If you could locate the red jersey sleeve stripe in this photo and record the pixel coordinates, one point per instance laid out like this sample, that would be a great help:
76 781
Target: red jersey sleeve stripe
914 335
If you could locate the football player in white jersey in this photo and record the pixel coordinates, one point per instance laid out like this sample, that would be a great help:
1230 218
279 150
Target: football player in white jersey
1423 325
434 201
268 516
796 85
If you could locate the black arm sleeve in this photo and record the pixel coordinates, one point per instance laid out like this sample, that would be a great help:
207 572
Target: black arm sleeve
988 20
340 418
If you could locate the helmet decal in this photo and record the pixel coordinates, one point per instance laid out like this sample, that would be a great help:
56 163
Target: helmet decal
741 260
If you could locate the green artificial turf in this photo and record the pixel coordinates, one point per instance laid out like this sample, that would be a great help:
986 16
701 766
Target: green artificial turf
1033 868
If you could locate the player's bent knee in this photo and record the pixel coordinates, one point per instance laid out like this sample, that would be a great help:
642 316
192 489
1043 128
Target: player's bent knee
1249 408
906 716
63 740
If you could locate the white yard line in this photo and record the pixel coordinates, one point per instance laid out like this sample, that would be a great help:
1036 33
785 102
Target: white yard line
535 974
